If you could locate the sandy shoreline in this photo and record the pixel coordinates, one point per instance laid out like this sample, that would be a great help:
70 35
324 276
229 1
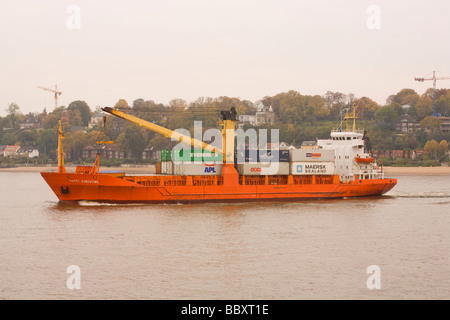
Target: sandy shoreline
389 171
129 170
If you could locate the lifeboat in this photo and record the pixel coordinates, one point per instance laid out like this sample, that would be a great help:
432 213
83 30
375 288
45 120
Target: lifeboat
364 160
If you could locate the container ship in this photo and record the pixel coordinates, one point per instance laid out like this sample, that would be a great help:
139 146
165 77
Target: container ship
339 167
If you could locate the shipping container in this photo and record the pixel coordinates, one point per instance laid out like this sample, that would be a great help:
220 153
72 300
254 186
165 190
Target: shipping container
317 168
195 155
197 168
242 156
167 167
316 155
166 155
158 167
263 169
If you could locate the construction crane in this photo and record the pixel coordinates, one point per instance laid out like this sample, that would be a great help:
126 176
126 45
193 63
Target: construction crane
434 78
55 91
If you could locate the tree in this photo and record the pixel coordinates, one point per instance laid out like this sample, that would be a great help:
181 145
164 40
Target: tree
122 105
292 105
13 111
404 96
74 142
366 108
74 118
28 138
160 142
335 101
83 108
424 106
150 111
94 136
412 143
317 103
442 149
431 123
443 103
47 143
431 149
386 117
179 115
137 104
133 139
51 121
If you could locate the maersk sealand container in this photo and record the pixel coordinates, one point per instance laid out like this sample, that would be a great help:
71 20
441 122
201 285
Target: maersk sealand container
315 155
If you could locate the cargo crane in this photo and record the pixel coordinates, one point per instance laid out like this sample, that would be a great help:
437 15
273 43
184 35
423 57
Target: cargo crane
228 130
434 78
55 91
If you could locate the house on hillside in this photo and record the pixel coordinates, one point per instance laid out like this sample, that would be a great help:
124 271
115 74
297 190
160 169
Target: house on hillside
264 115
95 119
309 145
30 122
445 124
406 123
11 151
30 152
246 119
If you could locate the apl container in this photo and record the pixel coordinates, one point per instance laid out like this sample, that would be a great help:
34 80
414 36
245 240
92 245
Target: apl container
263 169
316 168
197 168
316 155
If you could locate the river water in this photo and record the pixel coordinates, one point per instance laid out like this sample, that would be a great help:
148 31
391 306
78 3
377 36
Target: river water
302 250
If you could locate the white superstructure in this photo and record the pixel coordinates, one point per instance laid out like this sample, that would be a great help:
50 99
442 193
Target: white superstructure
351 159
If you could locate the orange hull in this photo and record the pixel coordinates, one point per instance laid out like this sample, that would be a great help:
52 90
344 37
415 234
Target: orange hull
230 187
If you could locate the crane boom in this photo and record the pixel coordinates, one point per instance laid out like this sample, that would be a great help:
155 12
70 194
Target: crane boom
434 78
164 131
55 91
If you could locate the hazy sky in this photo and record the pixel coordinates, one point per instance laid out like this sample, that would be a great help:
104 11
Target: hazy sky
161 50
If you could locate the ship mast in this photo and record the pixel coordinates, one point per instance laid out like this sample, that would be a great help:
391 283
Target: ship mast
228 133
349 116
61 168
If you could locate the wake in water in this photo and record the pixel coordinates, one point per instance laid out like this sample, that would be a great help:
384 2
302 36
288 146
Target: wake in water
427 195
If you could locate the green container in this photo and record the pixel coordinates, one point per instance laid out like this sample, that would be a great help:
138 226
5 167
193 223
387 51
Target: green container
166 155
195 155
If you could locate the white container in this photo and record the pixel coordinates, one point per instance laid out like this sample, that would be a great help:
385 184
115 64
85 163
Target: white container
197 168
307 168
316 155
167 167
263 169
